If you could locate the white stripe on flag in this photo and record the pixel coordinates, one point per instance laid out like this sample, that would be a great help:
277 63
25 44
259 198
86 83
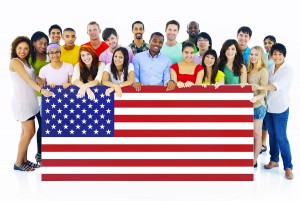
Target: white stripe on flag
147 155
148 140
183 96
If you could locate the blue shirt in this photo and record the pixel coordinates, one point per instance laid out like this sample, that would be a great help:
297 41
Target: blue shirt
246 54
270 62
151 70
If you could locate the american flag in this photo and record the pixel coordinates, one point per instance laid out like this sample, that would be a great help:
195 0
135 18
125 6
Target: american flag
191 134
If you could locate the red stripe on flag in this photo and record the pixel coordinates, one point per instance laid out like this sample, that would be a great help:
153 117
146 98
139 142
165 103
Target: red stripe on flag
148 148
183 133
147 177
147 162
183 118
183 103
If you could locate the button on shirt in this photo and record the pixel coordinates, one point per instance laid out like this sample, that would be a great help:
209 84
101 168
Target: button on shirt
151 70
278 101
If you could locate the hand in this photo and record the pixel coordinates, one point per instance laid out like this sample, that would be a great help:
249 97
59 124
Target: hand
217 85
66 85
52 85
118 91
46 93
254 99
180 84
243 84
137 86
109 90
255 87
81 92
170 85
188 84
90 94
203 85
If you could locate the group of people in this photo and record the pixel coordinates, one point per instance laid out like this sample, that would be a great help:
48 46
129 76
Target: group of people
39 62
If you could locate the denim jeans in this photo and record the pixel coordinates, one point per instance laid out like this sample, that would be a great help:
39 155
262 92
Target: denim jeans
277 124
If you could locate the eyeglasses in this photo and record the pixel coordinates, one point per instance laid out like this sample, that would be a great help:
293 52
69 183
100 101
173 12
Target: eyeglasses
51 53
202 40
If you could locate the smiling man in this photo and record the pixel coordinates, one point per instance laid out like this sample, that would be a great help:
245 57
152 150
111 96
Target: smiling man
192 30
243 37
138 44
55 33
151 67
69 51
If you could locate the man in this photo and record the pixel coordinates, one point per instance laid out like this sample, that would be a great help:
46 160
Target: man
138 44
111 38
172 49
55 33
243 36
151 67
93 30
192 30
69 51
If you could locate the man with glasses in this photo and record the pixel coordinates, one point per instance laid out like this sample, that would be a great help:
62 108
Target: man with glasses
204 43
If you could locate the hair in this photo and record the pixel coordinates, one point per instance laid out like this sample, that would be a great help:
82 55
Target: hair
157 34
108 32
238 59
16 42
173 22
215 69
206 36
271 37
55 26
113 67
187 44
69 29
278 47
35 37
245 30
94 23
137 22
86 72
261 63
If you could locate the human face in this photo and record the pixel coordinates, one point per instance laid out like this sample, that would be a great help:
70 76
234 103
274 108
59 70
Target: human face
86 57
278 58
188 54
55 36
253 56
156 43
112 41
69 37
93 31
230 52
209 60
119 59
22 50
171 32
268 44
243 39
138 31
54 55
193 29
203 44
40 45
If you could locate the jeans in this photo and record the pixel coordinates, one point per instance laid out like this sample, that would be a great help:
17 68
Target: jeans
277 124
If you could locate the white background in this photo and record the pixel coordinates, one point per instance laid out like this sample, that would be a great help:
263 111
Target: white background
219 18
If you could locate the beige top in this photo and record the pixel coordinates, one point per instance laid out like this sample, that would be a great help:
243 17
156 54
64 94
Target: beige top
260 78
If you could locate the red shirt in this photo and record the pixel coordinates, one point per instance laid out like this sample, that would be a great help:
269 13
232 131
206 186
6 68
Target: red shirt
100 49
186 77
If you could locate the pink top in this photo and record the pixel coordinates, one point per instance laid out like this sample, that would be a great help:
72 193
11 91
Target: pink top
56 76
186 77
106 56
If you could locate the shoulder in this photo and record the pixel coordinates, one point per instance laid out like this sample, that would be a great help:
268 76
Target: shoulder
199 67
175 66
15 63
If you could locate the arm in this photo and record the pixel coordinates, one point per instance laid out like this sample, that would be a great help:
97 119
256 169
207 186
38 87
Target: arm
136 64
199 78
243 76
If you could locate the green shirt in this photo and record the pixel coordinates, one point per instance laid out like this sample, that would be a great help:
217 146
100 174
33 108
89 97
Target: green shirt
37 65
230 78
174 53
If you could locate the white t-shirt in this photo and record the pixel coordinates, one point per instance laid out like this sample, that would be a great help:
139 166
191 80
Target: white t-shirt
76 73
112 79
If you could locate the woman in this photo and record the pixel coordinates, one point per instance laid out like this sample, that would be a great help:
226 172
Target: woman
56 72
38 59
87 72
280 80
25 102
258 74
211 73
118 74
187 73
204 43
231 63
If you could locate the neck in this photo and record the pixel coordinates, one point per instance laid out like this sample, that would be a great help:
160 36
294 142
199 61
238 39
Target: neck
113 49
243 48
153 54
41 56
192 39
171 43
230 61
69 47
138 42
201 52
56 64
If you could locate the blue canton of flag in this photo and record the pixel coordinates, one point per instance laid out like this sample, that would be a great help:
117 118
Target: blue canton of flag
70 116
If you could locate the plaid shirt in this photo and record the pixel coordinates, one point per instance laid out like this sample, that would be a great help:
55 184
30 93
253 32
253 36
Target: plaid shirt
136 50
